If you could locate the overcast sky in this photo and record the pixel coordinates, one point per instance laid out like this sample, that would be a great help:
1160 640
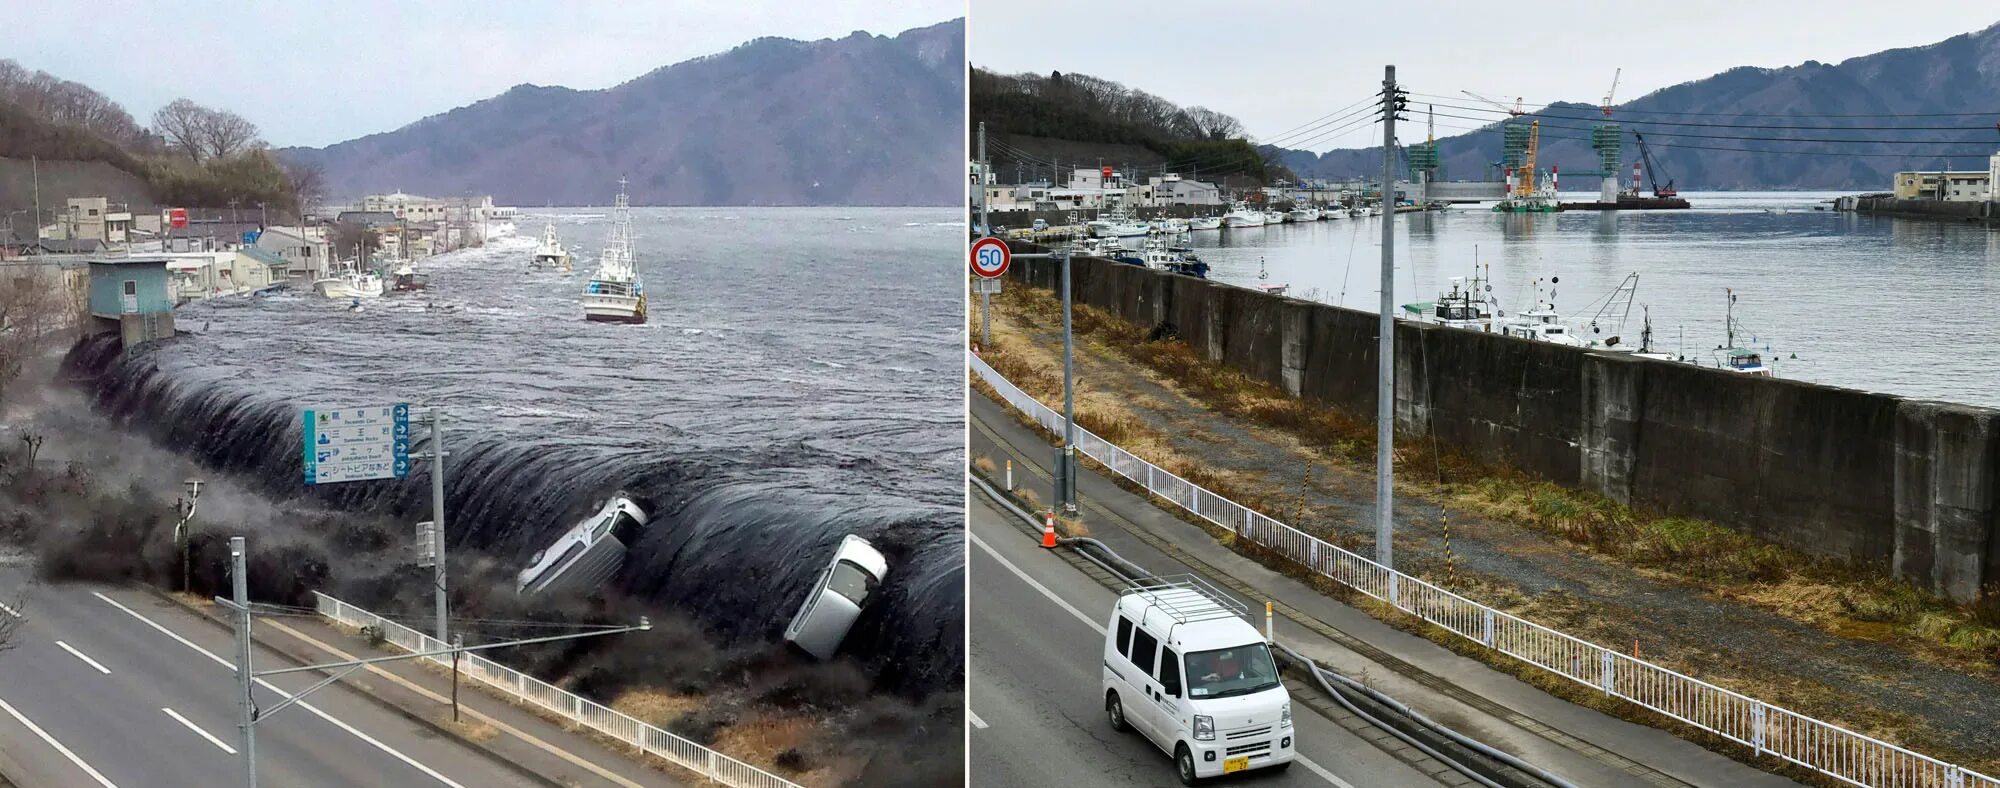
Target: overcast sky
1277 66
308 74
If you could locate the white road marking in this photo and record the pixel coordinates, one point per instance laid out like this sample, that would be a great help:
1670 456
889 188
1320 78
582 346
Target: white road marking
37 729
1032 583
80 655
197 729
976 721
269 686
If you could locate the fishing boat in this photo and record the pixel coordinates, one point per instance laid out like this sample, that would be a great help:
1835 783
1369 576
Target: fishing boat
1118 224
1465 305
1541 323
550 254
350 282
405 278
1739 359
1240 215
615 293
1305 213
1205 223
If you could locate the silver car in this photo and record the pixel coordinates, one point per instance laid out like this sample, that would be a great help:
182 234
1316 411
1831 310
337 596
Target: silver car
837 598
588 555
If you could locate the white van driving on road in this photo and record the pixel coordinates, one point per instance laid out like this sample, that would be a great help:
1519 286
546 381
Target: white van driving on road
1184 667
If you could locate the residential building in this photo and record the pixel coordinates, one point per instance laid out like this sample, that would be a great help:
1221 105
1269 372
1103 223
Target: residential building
134 296
305 250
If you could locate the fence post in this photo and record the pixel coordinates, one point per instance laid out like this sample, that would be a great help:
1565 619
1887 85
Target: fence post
711 765
1487 636
1394 600
1312 551
1246 522
1610 680
1757 726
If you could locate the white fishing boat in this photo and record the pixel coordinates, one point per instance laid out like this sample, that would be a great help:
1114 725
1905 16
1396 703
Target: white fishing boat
348 281
1541 323
1465 305
615 293
1739 359
551 254
1205 223
1240 215
1305 213
1117 224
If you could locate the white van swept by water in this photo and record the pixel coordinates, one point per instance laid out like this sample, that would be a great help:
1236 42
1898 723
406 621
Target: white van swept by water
588 555
837 597
1185 668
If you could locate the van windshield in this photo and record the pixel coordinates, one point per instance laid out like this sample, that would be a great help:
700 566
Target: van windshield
1225 672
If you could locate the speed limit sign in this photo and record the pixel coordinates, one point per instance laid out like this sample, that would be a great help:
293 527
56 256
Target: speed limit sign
990 257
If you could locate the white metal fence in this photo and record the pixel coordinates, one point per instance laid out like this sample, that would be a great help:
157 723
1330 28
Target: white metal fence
1823 747
528 689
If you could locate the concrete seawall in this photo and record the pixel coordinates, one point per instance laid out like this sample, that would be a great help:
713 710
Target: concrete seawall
1934 209
1902 486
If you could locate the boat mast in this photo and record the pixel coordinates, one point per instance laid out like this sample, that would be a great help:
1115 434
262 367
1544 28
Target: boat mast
1729 318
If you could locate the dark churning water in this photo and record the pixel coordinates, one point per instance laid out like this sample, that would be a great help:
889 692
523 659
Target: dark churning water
798 380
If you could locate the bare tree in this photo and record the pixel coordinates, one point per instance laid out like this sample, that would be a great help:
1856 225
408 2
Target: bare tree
1209 124
182 124
308 183
34 308
225 134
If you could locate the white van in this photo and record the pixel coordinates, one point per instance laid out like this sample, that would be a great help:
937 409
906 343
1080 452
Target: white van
1184 667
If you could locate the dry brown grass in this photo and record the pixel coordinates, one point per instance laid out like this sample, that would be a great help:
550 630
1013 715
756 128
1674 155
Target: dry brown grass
985 465
467 727
1071 526
762 738
655 707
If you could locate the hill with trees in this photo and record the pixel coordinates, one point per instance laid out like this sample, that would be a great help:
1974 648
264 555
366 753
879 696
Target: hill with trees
191 155
1039 127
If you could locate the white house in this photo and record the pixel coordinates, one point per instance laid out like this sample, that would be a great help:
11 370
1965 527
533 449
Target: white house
305 251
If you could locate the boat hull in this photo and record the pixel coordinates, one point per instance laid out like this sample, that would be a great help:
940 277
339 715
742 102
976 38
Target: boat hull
614 309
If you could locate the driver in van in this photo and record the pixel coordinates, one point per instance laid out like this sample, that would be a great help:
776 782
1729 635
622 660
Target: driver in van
1216 667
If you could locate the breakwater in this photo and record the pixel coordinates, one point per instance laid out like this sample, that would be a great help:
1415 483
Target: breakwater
1903 486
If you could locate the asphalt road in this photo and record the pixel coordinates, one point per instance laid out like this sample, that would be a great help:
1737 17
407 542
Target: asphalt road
1034 685
103 686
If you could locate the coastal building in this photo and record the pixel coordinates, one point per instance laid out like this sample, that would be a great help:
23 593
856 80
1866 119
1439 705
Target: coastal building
132 296
1947 185
1172 189
305 250
198 275
409 207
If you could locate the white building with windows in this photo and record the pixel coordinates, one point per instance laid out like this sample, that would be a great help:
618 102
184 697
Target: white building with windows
408 207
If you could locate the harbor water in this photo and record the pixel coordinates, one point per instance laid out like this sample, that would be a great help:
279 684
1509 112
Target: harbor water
1866 302
797 381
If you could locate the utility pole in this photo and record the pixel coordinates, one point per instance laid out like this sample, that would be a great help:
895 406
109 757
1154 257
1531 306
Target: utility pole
35 166
985 220
1066 457
183 530
247 705
437 518
1385 367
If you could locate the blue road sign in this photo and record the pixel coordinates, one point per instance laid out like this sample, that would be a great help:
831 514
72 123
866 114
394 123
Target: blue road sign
356 444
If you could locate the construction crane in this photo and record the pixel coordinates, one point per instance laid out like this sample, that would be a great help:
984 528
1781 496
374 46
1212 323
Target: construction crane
1614 89
1652 167
1514 112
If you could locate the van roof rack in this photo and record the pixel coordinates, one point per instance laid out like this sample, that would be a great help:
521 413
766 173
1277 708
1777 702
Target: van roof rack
1186 598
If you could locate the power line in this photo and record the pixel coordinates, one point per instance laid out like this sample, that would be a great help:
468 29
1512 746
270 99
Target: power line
1906 156
1689 134
1989 113
1544 112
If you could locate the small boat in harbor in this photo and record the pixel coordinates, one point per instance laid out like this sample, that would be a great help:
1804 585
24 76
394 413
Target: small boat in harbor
405 278
1305 213
1118 224
550 254
1205 223
1240 215
615 293
1739 359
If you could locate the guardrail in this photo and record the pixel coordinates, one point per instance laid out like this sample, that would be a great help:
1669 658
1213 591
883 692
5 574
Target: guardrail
597 717
1770 730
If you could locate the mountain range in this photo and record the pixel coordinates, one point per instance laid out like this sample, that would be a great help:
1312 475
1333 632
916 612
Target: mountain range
1696 129
861 120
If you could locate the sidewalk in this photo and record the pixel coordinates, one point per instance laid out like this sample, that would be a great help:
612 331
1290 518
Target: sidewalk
535 746
1586 746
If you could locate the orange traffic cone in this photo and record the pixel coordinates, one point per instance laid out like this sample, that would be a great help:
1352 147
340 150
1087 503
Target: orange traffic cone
1049 529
